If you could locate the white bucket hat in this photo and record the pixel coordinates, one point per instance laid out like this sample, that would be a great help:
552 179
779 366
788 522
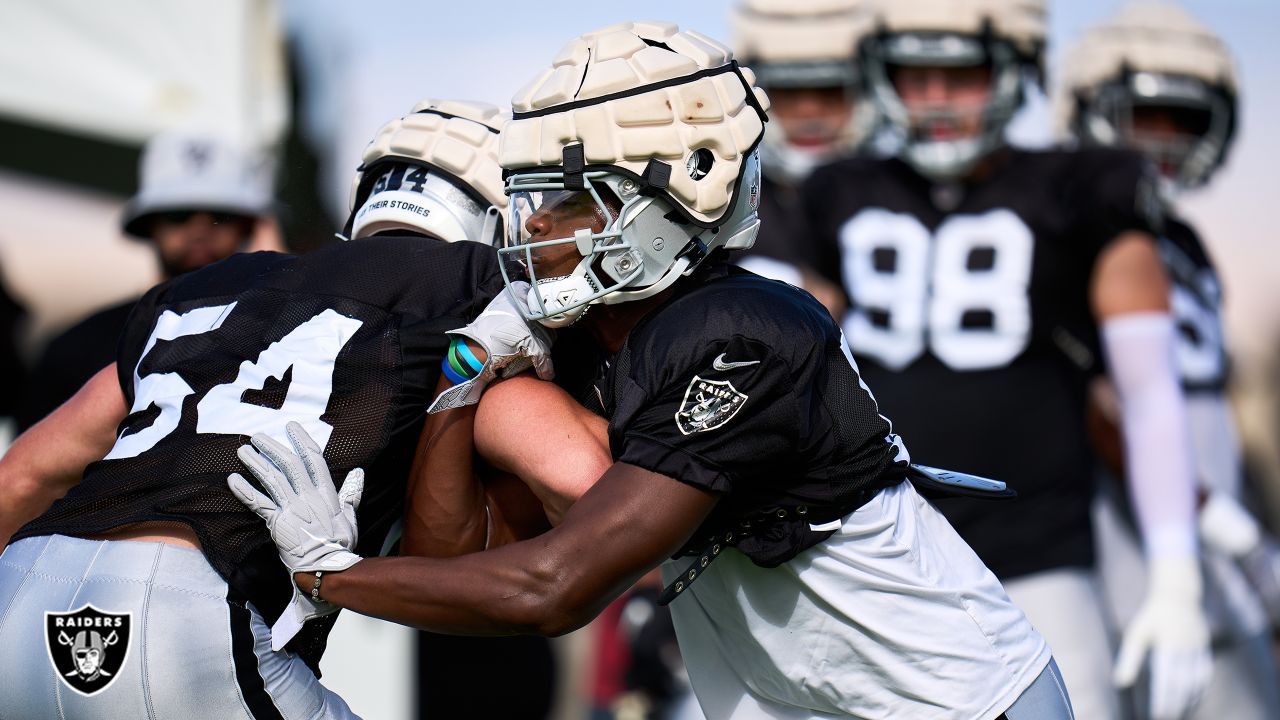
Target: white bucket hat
188 171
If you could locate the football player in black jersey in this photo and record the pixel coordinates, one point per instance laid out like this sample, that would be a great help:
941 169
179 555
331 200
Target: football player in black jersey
1154 79
347 341
802 52
812 580
980 278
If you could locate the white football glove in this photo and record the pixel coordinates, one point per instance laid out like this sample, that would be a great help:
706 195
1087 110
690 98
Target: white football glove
512 344
313 524
1171 625
1226 526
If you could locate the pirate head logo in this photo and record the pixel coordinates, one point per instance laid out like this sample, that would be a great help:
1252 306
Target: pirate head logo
707 405
198 155
87 646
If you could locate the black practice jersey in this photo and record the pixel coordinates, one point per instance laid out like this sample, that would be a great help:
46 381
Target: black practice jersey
969 315
71 358
739 385
12 316
347 341
1196 304
783 233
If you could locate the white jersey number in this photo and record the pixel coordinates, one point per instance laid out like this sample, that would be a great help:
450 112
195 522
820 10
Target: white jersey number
913 289
311 349
1195 301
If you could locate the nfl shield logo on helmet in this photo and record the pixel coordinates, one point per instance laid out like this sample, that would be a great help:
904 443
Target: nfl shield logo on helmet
87 646
707 405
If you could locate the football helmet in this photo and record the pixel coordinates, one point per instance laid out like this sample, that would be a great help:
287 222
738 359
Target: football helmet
1153 55
804 44
653 130
1008 36
434 171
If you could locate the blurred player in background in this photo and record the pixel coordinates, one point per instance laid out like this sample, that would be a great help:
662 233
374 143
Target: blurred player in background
1154 79
12 317
202 198
348 341
802 52
979 279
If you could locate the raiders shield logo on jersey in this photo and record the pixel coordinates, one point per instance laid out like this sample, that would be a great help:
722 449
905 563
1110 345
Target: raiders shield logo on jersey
707 405
87 646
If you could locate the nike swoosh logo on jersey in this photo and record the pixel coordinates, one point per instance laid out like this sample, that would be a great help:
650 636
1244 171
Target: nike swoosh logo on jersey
720 364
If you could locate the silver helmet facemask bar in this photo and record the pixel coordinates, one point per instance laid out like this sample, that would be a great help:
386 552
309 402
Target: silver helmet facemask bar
1108 119
614 266
944 160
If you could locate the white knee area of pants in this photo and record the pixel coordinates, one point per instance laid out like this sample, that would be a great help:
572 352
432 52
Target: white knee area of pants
1065 605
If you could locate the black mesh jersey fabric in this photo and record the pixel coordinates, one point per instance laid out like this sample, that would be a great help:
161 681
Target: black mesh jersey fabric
784 235
970 319
375 309
738 385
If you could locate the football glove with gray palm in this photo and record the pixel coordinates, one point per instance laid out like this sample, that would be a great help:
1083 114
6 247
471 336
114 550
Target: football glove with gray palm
312 523
512 345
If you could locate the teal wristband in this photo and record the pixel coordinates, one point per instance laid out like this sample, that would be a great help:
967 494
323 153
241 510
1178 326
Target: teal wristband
460 346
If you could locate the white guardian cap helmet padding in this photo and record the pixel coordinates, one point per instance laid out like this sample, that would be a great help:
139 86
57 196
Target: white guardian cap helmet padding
662 121
1152 54
1007 35
434 171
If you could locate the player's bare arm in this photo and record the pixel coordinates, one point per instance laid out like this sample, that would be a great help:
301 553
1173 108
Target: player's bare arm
457 505
623 527
558 472
1129 277
48 460
445 513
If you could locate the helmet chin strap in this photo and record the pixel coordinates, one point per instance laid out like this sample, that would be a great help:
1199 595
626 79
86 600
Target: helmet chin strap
677 269
559 298
564 291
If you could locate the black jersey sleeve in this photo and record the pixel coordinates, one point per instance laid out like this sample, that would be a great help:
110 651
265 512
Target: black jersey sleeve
821 197
742 388
137 330
707 421
1112 192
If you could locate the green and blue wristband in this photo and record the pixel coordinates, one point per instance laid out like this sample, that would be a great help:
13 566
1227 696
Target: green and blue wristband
460 364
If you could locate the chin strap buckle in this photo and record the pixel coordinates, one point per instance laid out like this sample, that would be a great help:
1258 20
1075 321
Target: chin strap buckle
574 159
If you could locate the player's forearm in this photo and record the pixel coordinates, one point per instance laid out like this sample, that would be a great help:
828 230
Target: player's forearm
547 585
558 472
445 507
478 594
49 459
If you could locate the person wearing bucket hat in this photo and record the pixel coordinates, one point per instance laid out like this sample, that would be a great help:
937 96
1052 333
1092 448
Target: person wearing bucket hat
202 198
